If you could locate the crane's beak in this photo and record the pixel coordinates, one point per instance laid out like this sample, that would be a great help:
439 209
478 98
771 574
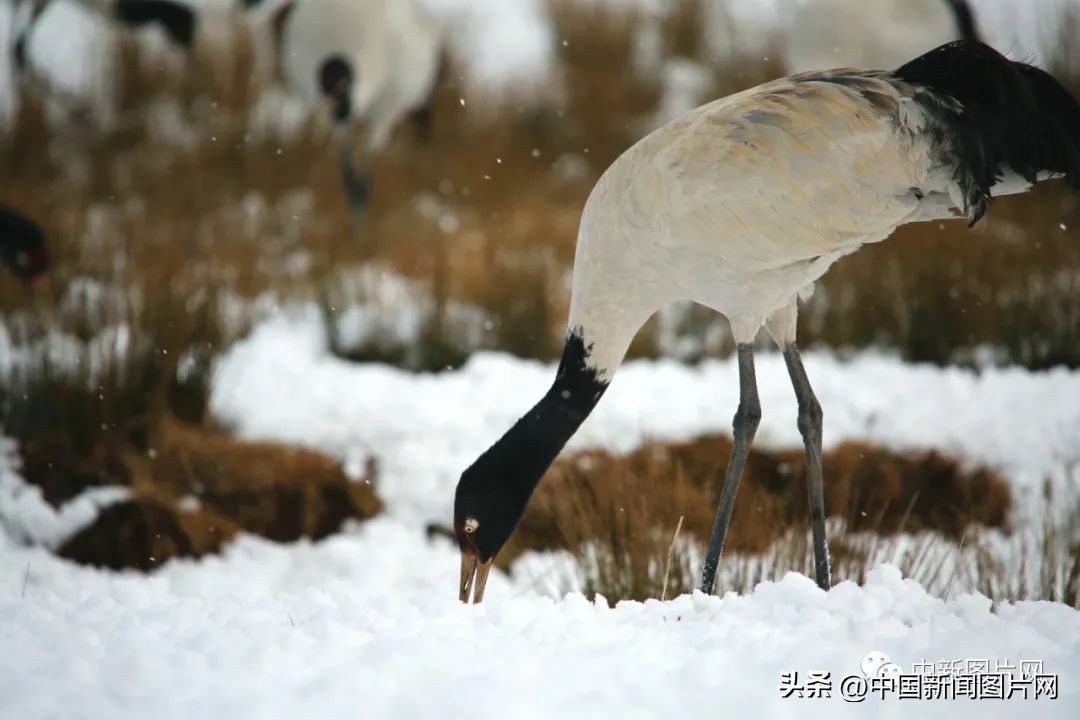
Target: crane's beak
357 187
474 575
20 52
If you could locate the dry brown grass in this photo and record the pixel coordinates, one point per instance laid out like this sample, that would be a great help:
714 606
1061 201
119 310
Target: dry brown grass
618 513
941 524
869 488
1033 566
194 489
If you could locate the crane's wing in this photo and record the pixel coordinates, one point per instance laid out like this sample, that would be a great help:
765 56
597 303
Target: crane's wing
797 168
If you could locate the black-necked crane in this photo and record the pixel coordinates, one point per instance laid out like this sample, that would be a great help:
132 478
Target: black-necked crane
24 252
175 19
373 62
742 204
871 33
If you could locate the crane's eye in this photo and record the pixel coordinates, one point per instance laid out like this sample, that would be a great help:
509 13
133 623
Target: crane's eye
471 524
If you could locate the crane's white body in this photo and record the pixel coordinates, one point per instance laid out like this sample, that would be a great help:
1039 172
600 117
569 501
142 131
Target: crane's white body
393 46
82 70
744 202
865 33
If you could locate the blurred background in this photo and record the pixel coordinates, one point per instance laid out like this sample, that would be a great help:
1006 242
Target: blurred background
188 194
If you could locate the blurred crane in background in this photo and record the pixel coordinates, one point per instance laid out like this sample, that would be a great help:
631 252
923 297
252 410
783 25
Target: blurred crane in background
177 20
67 51
371 62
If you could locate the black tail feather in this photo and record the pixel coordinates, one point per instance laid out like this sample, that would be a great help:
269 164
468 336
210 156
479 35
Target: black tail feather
1056 127
993 114
965 20
177 20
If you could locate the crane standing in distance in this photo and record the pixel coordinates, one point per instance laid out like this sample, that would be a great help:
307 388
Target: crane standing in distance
740 205
176 19
372 61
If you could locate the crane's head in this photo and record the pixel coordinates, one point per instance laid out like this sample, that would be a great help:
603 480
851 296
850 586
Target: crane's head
336 81
24 252
487 508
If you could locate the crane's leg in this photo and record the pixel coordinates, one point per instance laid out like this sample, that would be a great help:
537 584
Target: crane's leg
746 422
810 423
422 116
357 183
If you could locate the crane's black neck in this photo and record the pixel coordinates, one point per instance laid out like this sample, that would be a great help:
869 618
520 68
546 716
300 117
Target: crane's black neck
520 458
495 489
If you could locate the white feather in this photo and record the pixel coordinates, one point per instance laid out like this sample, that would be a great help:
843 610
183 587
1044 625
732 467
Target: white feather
393 46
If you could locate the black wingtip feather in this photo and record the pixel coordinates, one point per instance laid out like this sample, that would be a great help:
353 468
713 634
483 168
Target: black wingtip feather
178 21
1000 115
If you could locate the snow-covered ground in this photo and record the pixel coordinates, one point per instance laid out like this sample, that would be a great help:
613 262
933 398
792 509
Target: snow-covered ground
366 623
367 626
